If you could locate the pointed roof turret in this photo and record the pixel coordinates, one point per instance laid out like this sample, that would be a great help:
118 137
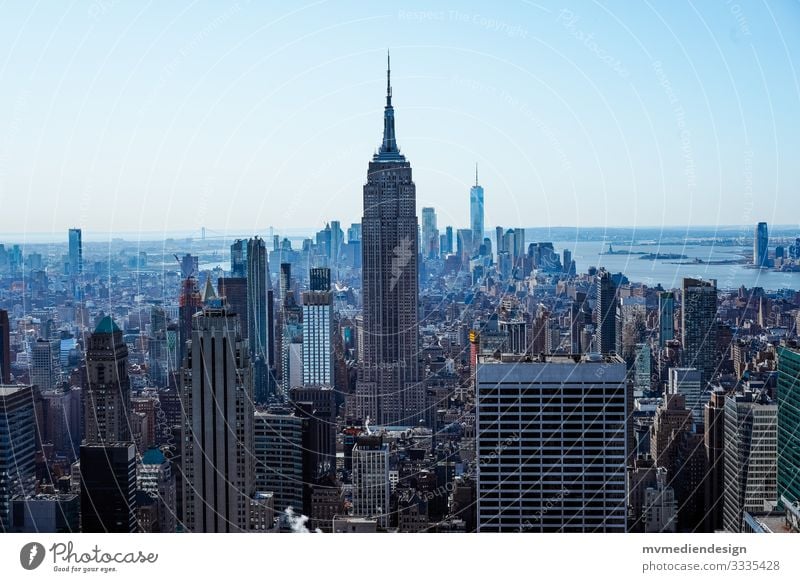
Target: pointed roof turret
106 325
208 292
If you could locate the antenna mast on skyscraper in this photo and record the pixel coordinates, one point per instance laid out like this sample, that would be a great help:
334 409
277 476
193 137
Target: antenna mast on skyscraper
388 78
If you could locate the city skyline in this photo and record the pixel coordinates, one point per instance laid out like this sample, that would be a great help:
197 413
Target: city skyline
444 360
591 127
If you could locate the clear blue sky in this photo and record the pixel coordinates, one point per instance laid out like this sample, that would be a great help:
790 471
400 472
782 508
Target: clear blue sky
127 116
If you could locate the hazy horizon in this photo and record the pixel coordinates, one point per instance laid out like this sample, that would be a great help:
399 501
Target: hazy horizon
88 236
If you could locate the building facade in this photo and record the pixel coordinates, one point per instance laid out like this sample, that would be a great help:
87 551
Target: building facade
430 234
279 458
217 392
688 382
788 425
107 399
371 487
317 338
108 487
17 447
5 348
606 307
259 322
699 326
666 317
551 444
750 457
389 390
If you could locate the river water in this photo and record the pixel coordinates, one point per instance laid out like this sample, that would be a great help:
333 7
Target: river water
669 274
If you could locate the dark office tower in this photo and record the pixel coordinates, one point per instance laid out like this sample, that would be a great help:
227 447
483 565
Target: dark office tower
322 405
239 258
271 333
388 389
259 325
217 392
788 426
108 488
761 246
666 317
336 241
476 212
448 235
714 427
606 330
75 252
189 303
690 474
576 323
315 463
107 400
5 348
699 326
234 291
75 265
17 448
320 278
566 260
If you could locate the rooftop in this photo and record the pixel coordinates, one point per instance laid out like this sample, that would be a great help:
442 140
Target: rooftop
512 358
7 390
106 325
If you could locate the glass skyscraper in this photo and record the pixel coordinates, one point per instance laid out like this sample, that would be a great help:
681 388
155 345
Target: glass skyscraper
788 425
761 245
606 330
476 213
17 447
75 252
699 326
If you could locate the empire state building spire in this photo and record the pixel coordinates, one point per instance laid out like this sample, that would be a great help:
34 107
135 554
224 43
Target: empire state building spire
389 389
388 152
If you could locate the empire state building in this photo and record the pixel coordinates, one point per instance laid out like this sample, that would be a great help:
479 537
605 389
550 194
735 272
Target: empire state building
389 390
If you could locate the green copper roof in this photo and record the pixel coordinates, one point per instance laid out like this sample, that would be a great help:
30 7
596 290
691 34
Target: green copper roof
153 456
106 325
